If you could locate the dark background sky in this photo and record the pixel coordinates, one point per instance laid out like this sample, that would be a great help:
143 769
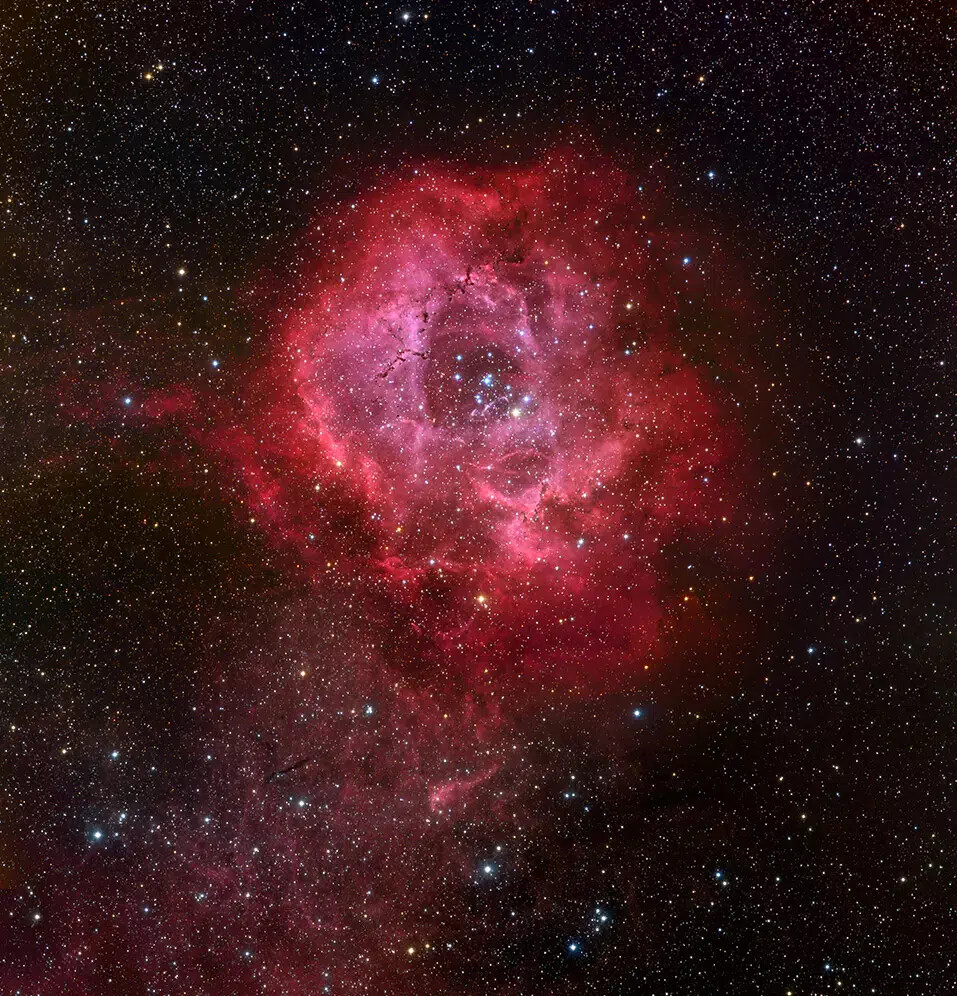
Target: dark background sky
818 137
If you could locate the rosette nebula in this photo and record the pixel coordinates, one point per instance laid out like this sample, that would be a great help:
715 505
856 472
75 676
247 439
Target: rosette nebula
513 389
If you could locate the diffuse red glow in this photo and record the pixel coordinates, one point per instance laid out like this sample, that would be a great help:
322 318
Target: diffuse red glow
482 412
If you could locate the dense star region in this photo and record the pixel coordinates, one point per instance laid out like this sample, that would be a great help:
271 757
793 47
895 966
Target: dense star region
476 498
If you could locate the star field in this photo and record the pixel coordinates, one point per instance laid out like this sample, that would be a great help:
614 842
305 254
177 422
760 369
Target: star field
476 507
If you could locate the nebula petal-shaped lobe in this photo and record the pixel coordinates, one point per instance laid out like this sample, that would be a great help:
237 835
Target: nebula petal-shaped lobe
487 372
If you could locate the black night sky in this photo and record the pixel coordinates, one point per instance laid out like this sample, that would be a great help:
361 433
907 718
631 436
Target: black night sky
476 498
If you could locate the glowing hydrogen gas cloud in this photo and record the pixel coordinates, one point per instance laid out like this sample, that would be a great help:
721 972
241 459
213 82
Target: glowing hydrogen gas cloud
484 396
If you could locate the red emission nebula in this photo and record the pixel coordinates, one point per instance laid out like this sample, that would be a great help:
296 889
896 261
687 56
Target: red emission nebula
499 459
503 407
